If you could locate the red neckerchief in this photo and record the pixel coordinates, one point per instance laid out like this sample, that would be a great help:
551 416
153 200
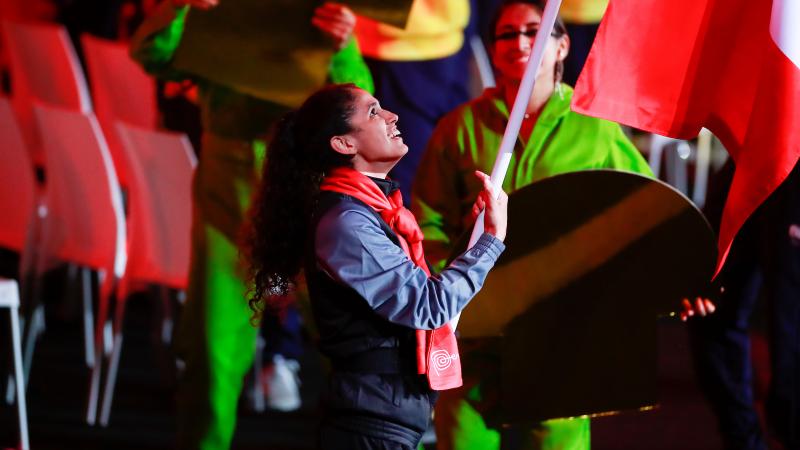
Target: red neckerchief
436 349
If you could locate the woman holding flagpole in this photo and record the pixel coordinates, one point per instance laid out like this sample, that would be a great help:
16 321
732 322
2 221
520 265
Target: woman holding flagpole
326 206
552 140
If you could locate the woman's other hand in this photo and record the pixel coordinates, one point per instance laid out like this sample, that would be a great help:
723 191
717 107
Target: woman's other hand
701 307
336 21
495 219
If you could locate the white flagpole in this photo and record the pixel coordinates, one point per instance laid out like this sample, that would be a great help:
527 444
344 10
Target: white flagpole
517 112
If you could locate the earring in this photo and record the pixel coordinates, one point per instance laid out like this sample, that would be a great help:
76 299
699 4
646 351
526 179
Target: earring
559 90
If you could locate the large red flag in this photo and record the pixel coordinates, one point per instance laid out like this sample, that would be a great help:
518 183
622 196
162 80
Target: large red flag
732 66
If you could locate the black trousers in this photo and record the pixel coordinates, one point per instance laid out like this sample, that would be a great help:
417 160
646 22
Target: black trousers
375 411
334 438
763 264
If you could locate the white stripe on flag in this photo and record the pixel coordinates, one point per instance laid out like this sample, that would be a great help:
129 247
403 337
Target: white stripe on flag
785 28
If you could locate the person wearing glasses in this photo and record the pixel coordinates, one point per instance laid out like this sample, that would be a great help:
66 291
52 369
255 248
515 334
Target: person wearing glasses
552 140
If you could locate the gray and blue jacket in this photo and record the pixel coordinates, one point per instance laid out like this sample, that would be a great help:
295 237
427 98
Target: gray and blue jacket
368 299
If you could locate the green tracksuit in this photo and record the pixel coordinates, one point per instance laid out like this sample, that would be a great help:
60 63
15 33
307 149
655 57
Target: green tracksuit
468 139
215 338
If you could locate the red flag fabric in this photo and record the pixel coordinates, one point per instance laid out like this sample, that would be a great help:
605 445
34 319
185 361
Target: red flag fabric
732 66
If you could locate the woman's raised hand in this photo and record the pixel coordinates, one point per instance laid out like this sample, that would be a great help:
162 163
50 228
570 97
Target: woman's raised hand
495 219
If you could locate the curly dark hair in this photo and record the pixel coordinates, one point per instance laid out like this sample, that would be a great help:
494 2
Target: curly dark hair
297 159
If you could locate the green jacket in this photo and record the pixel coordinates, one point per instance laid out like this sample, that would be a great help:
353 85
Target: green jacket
227 113
468 139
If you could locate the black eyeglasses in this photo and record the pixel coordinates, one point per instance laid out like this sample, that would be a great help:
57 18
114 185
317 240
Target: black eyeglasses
511 35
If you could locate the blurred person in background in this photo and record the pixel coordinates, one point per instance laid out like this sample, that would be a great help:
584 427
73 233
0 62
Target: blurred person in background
764 263
215 338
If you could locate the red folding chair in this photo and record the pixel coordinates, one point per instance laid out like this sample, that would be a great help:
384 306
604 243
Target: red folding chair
44 68
160 165
121 90
84 224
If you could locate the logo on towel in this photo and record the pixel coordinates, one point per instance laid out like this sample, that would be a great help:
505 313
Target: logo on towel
441 360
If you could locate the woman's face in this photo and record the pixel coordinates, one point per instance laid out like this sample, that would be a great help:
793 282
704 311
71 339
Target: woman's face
375 140
515 33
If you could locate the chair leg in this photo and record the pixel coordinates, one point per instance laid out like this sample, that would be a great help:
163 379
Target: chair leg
34 311
111 376
35 325
18 375
25 292
99 345
88 316
108 338
11 382
27 281
31 327
94 382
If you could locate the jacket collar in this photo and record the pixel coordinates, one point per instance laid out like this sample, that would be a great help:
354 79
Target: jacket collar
387 186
